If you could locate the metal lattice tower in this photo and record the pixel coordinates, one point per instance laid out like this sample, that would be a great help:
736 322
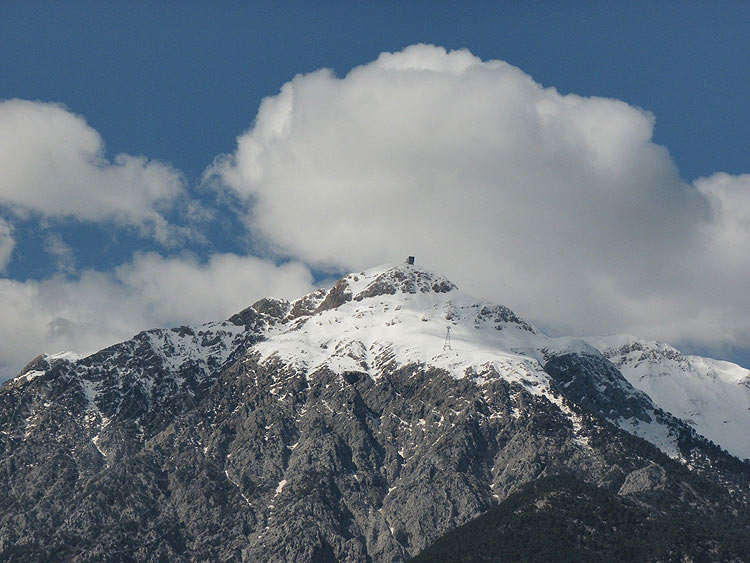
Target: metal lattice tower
447 345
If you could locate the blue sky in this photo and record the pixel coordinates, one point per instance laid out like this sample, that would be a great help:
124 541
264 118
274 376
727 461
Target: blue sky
177 82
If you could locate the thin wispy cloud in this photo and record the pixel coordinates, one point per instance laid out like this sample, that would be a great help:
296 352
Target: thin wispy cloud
7 243
62 253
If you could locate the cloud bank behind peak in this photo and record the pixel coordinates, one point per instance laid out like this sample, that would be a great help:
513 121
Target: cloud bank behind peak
561 206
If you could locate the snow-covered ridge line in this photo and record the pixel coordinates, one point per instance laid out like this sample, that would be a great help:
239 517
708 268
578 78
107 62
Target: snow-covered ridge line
712 396
397 312
396 315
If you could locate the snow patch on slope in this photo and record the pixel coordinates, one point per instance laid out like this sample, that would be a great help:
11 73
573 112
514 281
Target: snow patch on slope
29 375
65 355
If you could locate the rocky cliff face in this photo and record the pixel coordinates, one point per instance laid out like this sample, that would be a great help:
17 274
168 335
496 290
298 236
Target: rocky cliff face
339 427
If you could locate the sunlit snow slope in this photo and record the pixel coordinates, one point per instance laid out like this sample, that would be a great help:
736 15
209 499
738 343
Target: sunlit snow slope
711 395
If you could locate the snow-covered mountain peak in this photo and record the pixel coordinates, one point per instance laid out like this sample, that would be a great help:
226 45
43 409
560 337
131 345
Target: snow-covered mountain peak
401 313
713 396
387 279
627 349
390 279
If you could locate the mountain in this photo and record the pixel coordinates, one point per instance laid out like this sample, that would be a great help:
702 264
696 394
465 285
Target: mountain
357 423
710 395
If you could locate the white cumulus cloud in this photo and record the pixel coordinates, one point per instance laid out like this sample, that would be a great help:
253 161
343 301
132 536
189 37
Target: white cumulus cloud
53 164
560 206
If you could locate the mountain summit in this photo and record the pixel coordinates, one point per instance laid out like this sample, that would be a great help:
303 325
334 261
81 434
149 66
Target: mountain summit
357 423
